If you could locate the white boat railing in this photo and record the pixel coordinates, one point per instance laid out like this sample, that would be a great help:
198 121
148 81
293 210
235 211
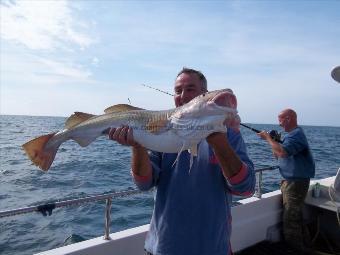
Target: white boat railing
46 209
258 189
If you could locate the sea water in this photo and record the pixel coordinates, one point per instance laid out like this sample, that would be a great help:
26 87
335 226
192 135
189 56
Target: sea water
103 166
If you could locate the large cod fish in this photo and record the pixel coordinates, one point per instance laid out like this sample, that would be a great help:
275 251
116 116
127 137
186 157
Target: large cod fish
170 131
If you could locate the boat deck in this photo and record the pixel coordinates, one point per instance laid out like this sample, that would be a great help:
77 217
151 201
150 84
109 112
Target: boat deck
321 246
269 248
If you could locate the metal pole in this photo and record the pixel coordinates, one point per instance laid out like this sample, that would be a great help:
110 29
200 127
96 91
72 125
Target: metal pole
259 185
258 192
266 168
65 203
107 219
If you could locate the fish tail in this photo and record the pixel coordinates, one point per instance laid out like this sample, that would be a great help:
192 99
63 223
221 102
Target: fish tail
38 154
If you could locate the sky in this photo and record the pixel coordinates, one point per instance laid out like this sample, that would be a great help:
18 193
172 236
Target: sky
62 56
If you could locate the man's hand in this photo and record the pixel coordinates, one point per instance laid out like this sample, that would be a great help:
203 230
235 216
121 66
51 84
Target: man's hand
264 135
277 149
140 162
124 136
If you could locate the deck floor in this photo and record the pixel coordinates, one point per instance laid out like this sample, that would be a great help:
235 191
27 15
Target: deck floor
269 248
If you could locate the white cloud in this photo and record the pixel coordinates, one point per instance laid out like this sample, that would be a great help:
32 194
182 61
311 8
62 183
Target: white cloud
41 25
26 67
95 61
41 42
67 70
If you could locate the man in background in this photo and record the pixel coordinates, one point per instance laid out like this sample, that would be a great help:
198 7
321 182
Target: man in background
296 167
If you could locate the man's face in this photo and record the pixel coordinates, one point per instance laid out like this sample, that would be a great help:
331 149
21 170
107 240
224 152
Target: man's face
187 87
284 120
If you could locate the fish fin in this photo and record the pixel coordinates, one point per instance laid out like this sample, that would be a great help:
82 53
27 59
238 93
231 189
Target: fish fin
121 108
193 153
191 162
84 141
155 126
178 155
193 150
35 150
77 118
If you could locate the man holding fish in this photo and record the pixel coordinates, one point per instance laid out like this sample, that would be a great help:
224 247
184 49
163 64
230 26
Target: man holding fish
192 212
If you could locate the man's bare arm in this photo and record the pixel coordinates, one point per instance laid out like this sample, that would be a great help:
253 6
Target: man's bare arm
228 159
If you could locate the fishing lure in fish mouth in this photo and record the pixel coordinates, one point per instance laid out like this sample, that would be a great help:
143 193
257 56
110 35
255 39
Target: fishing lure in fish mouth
169 131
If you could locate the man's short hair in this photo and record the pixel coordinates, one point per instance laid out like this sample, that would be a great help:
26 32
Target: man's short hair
200 75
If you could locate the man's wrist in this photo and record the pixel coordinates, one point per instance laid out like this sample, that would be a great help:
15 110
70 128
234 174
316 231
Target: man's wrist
217 140
138 147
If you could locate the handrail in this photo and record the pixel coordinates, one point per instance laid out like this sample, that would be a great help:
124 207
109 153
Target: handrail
44 208
258 192
266 169
49 207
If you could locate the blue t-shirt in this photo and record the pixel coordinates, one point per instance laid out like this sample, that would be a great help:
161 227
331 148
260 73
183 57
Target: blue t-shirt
299 163
192 209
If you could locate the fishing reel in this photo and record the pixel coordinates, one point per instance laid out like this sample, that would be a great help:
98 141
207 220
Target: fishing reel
276 136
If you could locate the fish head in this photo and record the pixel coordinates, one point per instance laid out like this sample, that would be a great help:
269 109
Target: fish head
223 98
217 109
218 101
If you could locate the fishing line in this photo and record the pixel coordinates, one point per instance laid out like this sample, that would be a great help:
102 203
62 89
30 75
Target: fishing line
157 89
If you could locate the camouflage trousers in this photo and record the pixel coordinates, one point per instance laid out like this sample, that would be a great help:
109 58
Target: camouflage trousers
293 196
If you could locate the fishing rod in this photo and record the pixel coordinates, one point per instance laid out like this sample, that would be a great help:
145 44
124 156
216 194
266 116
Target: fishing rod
276 136
252 129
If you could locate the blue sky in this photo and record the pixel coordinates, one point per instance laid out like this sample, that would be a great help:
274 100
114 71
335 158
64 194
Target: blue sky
58 57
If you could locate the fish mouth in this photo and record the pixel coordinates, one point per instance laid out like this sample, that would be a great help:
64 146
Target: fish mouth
225 99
